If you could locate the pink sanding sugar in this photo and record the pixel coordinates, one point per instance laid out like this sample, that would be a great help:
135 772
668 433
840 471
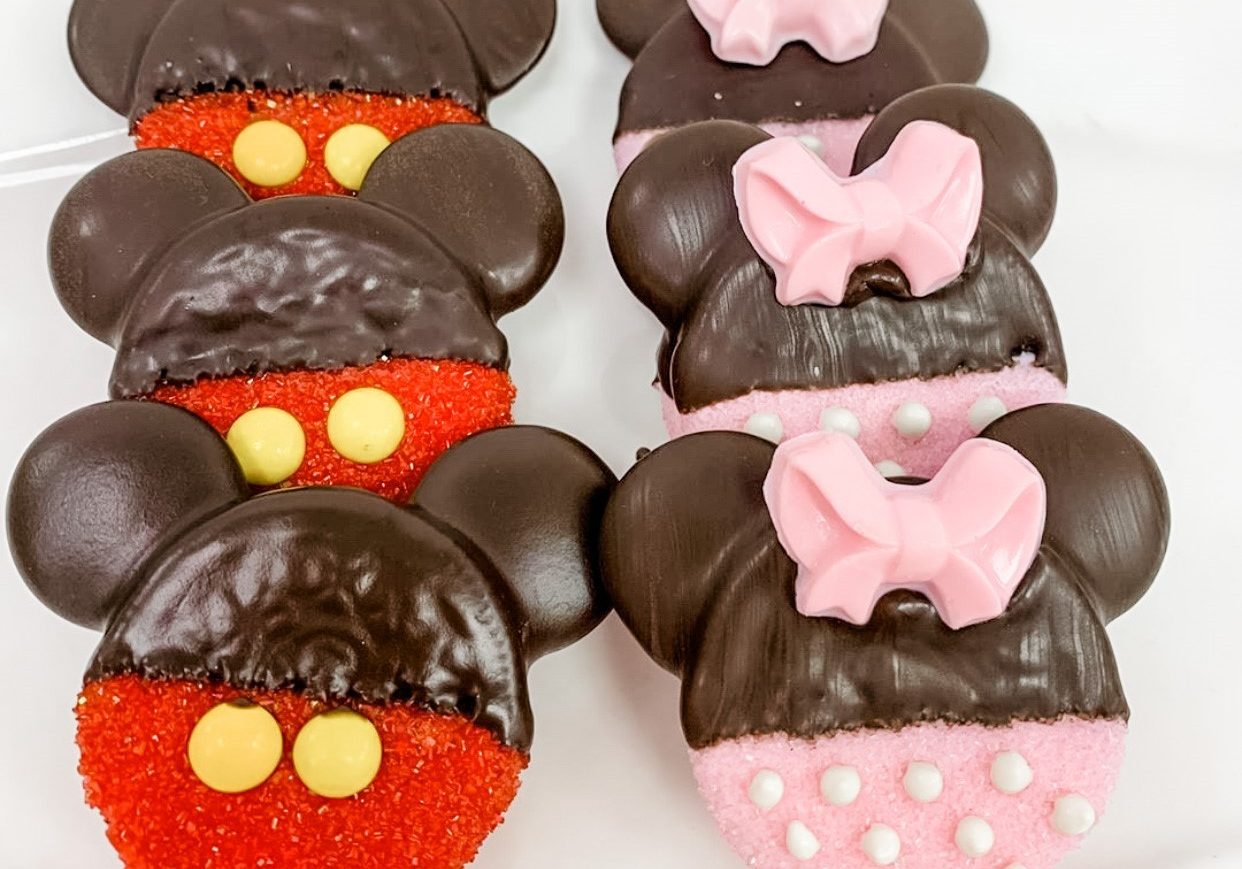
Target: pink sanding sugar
949 399
1070 757
837 140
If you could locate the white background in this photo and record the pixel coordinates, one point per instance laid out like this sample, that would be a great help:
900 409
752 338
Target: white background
1139 100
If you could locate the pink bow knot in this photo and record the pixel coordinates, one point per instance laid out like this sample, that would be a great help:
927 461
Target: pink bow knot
918 206
754 31
965 539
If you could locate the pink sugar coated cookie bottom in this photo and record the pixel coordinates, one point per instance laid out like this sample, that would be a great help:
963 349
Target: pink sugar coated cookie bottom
1070 757
837 140
949 400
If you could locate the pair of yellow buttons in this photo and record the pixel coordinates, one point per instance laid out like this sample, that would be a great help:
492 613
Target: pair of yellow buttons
272 154
236 747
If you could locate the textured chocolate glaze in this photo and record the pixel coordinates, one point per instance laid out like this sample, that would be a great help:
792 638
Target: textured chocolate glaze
132 55
677 79
697 574
678 241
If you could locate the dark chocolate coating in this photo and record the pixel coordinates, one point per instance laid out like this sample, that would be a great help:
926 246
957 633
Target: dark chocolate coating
678 241
698 575
134 54
677 79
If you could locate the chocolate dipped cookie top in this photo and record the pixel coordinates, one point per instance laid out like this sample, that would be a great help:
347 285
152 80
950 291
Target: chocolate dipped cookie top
134 518
691 247
755 615
680 77
135 54
162 256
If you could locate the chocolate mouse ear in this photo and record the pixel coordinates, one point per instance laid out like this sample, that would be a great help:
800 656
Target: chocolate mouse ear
100 490
530 500
1019 178
107 40
121 218
1108 511
674 208
952 33
630 24
506 37
484 198
678 525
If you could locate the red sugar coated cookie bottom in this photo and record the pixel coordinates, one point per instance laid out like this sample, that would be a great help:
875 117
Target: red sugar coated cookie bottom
208 124
444 784
444 402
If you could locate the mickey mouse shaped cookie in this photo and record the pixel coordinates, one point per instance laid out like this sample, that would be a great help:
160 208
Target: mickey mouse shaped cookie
313 677
300 96
897 305
334 340
881 673
819 69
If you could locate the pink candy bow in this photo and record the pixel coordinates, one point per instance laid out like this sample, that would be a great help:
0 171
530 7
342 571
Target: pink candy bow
755 31
965 540
918 206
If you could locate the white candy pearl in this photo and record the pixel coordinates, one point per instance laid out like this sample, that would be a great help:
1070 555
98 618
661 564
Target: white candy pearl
974 837
1011 774
890 469
800 841
767 426
924 782
840 785
912 420
882 845
812 142
984 412
1073 815
766 789
842 420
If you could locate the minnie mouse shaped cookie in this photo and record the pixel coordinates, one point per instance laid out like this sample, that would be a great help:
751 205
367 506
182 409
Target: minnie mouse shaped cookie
880 673
300 96
313 677
819 69
334 340
898 304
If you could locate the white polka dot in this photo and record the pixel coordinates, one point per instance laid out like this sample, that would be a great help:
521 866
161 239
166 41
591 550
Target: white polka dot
1015 866
840 785
974 837
1073 815
912 420
814 143
890 469
1011 774
767 426
800 841
882 845
924 782
766 789
842 420
984 412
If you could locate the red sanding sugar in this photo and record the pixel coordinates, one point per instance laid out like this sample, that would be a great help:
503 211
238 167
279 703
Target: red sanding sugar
208 124
444 784
444 402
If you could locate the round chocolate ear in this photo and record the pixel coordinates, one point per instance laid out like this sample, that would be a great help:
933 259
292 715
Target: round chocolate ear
531 501
1019 178
682 521
107 40
484 198
674 209
120 219
1108 511
506 37
101 490
952 33
630 24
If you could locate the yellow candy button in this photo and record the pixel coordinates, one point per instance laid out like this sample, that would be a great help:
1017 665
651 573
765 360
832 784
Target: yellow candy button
350 151
235 747
337 754
366 425
269 445
269 153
